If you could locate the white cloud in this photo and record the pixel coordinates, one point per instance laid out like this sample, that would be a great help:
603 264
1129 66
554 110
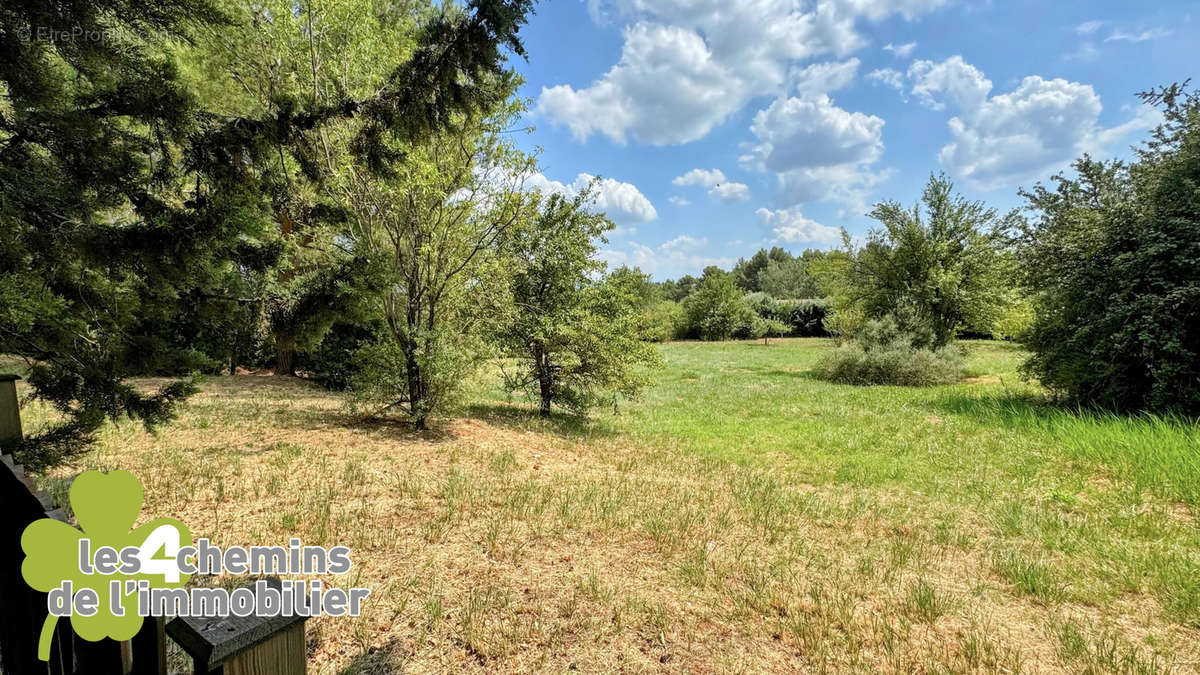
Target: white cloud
849 184
901 51
963 83
720 189
817 150
687 65
667 88
705 177
730 192
678 201
789 226
822 78
1089 27
890 78
621 202
672 259
1142 36
998 141
796 133
684 243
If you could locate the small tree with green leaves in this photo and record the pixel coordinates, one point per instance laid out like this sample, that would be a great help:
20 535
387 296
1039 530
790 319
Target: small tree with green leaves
576 339
767 328
132 205
430 232
717 309
939 265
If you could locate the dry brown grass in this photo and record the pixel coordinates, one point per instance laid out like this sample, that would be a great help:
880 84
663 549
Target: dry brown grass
493 547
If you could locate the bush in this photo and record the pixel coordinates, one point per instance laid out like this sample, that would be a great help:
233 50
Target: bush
331 363
1112 260
660 322
717 310
805 317
883 353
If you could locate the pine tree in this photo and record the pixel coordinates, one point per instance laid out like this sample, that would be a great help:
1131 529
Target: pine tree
125 204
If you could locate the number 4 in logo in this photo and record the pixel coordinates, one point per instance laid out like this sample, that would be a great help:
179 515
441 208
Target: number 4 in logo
164 538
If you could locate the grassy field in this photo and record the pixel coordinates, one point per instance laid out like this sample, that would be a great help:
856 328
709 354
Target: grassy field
742 517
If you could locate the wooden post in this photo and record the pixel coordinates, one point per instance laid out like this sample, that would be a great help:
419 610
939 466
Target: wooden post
10 412
250 645
149 648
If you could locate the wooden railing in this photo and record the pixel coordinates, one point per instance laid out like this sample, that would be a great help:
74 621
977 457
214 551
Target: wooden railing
230 646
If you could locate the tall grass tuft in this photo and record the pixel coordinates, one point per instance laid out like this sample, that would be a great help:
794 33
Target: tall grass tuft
1156 453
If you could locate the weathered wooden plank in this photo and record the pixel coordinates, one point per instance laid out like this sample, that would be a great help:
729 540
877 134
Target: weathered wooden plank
283 653
215 642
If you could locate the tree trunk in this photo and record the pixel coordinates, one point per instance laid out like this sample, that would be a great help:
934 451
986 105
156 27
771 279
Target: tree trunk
545 382
416 390
546 398
285 355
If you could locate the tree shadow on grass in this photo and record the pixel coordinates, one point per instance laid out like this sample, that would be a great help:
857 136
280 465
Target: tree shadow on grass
527 418
1006 408
798 373
389 657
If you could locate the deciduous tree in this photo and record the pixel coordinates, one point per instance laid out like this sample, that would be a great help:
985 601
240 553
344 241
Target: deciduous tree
576 338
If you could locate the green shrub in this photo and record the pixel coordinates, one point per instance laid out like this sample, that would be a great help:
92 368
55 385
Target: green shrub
805 317
660 321
1112 260
332 362
717 310
883 353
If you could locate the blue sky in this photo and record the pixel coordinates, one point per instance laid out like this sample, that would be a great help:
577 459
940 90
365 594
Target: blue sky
722 126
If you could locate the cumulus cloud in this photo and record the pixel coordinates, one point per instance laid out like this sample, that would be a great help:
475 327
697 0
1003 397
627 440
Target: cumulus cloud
678 201
953 79
817 150
822 78
672 259
997 141
790 226
687 65
901 51
720 189
705 177
621 202
848 184
798 133
730 193
890 78
667 88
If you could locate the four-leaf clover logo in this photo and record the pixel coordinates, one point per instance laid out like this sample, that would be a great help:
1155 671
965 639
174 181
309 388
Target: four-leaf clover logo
106 507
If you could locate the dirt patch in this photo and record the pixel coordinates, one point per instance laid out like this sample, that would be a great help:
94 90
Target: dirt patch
982 379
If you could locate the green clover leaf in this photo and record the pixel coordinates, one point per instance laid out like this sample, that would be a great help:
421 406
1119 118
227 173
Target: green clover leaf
106 506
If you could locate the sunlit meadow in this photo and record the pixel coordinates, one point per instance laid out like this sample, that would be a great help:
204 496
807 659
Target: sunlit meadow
742 517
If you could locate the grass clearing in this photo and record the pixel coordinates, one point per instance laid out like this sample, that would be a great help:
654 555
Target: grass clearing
744 516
